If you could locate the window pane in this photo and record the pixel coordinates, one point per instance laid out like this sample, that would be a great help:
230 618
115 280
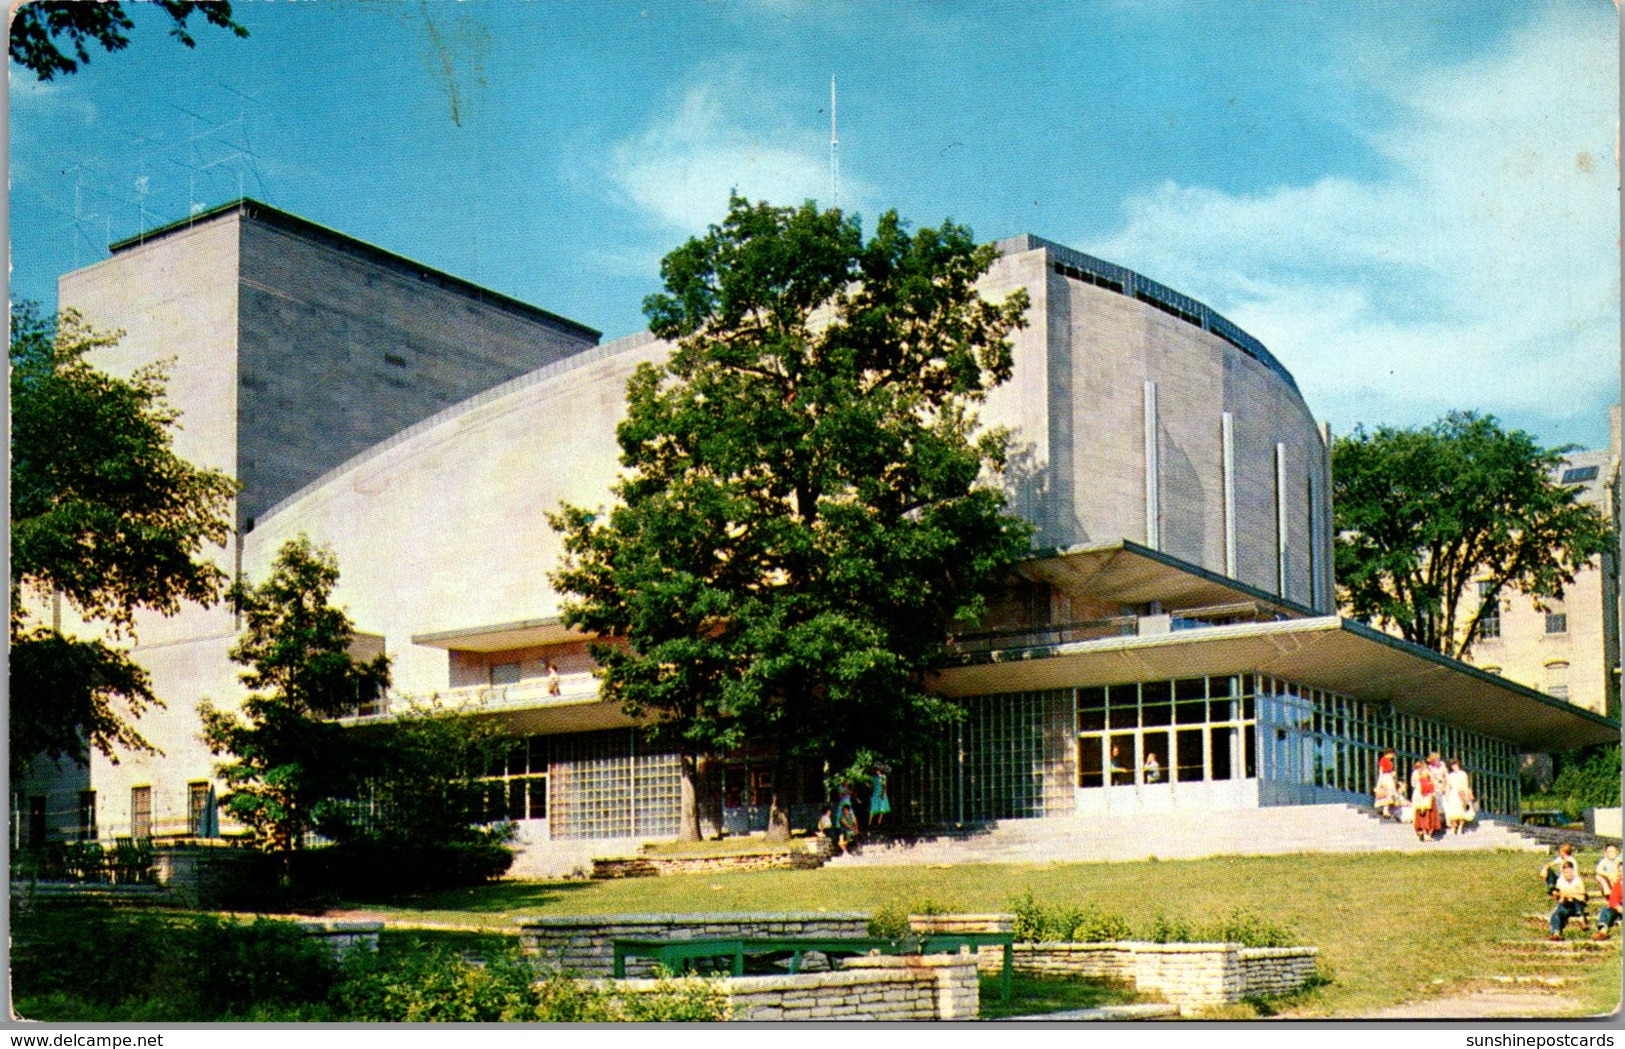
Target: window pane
1188 744
1121 758
1091 709
1091 771
538 797
1155 745
1223 742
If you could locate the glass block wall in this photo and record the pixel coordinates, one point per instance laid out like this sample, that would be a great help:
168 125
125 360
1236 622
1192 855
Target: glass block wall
602 786
1008 758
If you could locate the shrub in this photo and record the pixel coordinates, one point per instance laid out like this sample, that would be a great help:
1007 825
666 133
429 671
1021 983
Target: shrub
372 868
1163 929
93 962
890 922
1036 923
1249 930
439 985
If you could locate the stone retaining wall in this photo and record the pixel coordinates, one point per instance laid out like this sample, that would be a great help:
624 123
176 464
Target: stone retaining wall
658 866
340 936
1190 975
584 944
877 987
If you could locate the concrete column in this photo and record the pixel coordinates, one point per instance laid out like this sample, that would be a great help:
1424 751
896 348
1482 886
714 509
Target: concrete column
1153 506
1281 545
1227 436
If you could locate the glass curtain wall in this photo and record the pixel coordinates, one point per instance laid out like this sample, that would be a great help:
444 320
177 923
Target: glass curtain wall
603 786
1320 741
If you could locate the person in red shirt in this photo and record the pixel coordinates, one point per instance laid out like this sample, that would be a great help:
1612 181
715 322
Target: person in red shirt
1425 804
1611 914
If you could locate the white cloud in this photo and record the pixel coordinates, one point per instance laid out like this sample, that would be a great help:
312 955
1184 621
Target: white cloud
1480 270
680 170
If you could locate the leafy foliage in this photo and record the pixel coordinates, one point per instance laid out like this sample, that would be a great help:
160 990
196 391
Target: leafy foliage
1423 515
439 985
158 969
289 756
802 517
43 32
1035 922
105 516
1584 780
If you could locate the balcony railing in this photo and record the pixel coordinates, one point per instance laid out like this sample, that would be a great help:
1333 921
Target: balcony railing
1049 636
573 688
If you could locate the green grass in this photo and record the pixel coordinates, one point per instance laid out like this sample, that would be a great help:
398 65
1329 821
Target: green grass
1367 913
1033 995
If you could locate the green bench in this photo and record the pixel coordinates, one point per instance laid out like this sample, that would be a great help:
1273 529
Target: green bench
681 955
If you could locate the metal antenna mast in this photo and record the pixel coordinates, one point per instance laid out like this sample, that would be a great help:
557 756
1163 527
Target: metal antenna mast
834 152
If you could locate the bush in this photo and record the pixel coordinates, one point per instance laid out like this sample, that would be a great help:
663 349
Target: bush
439 985
1036 923
1249 930
891 921
1163 929
93 962
371 868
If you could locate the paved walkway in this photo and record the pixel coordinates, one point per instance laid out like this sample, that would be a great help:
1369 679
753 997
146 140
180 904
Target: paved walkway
1182 835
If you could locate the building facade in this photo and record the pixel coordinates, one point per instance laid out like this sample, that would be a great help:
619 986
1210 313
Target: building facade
1180 607
1568 647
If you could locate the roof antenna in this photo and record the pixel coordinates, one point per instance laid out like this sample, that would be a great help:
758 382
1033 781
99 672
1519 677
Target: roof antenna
834 153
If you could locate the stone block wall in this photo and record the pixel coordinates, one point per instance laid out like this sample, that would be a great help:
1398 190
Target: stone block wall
814 856
341 936
584 944
878 987
1275 970
1189 975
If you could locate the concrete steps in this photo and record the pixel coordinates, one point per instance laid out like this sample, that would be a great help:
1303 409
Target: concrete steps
1181 835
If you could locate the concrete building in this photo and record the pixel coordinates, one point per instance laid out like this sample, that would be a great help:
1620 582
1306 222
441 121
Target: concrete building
421 427
1568 647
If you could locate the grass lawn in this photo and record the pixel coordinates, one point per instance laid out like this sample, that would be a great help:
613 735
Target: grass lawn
1390 927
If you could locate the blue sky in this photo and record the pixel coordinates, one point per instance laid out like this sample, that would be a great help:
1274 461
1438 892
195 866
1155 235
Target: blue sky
1413 204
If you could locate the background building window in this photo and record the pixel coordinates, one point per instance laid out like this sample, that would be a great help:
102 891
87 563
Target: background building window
87 815
140 812
1489 627
197 810
1557 680
1557 620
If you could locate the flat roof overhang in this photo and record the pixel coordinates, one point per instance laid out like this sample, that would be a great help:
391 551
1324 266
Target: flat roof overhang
500 637
1128 573
1325 652
543 718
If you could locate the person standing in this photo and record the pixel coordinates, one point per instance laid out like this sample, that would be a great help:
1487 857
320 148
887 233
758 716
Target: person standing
846 819
879 800
1458 797
1385 796
1153 768
552 679
1424 803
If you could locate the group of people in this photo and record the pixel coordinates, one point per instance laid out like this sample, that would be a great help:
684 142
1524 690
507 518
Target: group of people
1440 798
1567 888
839 822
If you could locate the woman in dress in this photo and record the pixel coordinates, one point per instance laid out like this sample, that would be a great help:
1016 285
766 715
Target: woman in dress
1387 786
879 801
1458 797
1424 803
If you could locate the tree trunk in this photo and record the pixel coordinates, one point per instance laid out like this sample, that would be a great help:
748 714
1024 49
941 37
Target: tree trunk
688 822
778 813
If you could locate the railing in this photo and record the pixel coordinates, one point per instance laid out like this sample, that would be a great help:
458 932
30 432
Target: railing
534 692
1115 626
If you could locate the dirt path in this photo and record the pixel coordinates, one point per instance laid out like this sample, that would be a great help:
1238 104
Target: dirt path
1479 1004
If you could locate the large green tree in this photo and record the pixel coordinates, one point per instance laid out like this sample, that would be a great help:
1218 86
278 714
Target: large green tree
1425 515
286 753
104 517
48 37
807 506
